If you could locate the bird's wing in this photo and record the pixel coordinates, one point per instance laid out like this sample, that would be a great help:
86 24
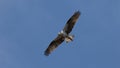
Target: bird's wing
71 22
54 44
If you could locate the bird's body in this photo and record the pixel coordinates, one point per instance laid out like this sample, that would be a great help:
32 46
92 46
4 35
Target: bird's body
64 34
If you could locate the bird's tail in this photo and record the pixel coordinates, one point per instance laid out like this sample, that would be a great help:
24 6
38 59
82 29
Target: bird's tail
69 38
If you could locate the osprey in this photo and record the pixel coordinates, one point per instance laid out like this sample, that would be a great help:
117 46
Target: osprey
64 34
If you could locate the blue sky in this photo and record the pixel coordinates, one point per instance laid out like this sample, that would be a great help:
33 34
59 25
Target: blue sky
28 26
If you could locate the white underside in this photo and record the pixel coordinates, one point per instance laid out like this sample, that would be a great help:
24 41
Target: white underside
68 38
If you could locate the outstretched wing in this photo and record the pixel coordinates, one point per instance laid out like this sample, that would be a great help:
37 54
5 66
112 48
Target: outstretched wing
54 44
71 22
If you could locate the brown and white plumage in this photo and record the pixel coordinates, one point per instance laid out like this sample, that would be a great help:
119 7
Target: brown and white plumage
54 44
64 34
71 22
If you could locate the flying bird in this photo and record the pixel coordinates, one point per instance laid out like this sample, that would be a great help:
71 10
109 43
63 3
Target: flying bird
63 34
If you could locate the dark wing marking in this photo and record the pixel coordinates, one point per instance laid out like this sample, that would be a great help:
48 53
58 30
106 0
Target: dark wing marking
54 44
71 22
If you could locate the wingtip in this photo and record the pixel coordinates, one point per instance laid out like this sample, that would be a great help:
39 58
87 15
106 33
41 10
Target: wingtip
78 12
46 53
